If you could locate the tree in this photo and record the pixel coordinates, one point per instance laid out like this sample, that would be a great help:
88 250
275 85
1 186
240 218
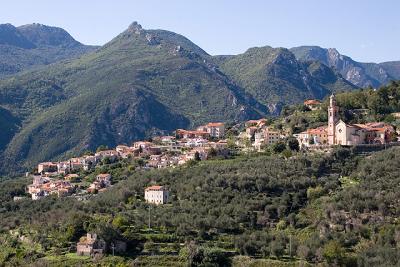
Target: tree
231 143
278 147
247 142
197 156
287 153
212 153
120 222
277 248
102 148
333 252
191 253
293 144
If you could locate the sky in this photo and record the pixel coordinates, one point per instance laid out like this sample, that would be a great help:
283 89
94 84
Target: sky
366 30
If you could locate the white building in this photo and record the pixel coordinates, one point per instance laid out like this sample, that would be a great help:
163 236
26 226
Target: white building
156 194
265 137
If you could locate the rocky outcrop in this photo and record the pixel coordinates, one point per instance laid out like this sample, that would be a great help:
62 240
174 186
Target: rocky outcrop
359 74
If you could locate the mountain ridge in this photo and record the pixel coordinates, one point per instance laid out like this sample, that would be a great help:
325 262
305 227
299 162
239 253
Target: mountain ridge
359 73
145 82
275 77
36 45
137 84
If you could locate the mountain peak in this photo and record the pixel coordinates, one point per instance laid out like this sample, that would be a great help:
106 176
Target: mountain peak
10 35
135 27
43 35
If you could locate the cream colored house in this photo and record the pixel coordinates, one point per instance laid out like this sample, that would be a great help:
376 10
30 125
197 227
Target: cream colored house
214 129
265 137
316 136
156 194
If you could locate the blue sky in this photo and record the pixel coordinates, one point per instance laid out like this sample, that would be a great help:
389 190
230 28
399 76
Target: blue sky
366 30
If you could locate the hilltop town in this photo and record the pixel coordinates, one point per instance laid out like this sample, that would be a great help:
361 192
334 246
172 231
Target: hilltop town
65 178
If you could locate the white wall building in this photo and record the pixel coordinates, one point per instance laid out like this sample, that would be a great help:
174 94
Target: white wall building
156 194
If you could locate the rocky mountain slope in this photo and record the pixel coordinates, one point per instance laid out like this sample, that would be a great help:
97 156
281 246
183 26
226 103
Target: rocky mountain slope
360 74
33 45
275 77
141 82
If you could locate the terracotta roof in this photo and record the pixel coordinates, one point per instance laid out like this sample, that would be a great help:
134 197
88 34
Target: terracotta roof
181 131
378 129
364 126
48 163
215 124
104 175
312 102
256 121
318 130
154 187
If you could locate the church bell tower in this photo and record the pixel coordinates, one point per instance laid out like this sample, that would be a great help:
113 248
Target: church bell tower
332 119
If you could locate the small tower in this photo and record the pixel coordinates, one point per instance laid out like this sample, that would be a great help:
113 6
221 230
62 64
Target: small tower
332 119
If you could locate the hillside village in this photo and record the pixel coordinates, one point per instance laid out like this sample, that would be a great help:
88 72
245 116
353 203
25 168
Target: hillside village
204 142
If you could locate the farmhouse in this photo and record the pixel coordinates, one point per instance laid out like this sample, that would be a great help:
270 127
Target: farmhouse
90 245
312 104
156 194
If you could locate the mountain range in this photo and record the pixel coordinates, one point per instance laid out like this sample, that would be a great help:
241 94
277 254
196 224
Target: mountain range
33 45
358 73
73 97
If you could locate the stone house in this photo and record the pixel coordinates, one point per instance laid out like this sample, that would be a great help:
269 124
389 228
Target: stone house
46 167
90 245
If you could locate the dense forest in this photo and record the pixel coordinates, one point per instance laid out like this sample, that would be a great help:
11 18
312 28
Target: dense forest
329 209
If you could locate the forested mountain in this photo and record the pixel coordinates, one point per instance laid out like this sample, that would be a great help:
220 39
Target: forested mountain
358 73
141 82
275 77
33 45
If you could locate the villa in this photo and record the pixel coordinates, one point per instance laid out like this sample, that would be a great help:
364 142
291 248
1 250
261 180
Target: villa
156 194
214 129
312 104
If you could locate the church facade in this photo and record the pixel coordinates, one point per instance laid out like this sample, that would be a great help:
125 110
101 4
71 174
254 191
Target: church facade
341 133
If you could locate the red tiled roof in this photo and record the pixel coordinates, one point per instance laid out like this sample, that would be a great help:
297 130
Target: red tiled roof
318 130
312 102
256 121
181 131
48 163
215 124
154 187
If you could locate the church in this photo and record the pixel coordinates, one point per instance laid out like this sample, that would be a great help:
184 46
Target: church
341 133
